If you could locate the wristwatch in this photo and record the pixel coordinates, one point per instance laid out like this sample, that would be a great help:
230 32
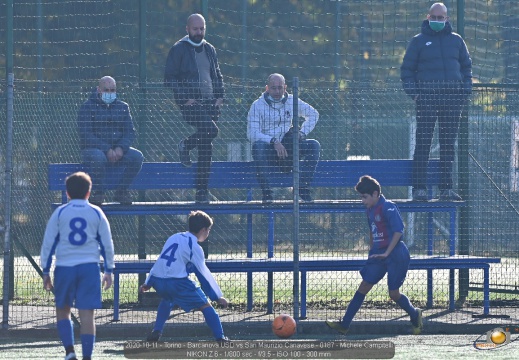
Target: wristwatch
274 141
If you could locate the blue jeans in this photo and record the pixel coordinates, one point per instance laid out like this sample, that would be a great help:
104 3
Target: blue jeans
265 157
96 164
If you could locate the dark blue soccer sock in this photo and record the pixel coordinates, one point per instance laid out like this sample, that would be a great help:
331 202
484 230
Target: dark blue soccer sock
353 307
162 315
213 320
66 333
87 344
405 304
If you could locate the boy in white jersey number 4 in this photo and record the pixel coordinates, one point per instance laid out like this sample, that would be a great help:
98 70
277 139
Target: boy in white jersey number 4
387 254
78 233
169 276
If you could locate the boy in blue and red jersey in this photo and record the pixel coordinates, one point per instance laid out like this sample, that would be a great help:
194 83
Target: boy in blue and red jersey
387 254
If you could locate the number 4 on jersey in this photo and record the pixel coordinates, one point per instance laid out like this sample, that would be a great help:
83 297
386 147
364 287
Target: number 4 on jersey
169 254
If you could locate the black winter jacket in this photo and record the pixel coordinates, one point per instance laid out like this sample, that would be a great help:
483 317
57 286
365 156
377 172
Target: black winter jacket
181 72
436 62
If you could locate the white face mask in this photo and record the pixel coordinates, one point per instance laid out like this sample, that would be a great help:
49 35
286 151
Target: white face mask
108 97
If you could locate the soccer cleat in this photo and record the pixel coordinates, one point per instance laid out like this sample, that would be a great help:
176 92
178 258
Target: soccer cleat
420 195
123 197
223 340
154 336
71 356
183 153
417 323
337 325
449 195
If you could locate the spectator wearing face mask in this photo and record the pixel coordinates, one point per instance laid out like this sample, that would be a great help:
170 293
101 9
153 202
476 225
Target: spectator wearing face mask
106 133
437 74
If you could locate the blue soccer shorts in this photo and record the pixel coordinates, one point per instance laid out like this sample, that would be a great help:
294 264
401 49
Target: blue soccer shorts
395 265
183 292
78 286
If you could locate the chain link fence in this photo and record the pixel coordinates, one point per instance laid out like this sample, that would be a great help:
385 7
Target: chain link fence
350 76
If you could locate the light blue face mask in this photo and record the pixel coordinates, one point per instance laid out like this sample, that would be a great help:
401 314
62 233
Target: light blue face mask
108 97
437 25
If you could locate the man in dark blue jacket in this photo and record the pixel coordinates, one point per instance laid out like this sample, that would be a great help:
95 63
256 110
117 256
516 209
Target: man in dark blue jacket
437 74
106 134
192 71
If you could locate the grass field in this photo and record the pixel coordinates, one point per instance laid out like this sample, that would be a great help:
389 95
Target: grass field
406 347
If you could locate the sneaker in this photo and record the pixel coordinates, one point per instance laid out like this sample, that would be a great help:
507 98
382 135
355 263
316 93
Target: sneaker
123 197
223 340
183 154
204 197
449 195
97 198
337 325
417 323
154 335
71 356
420 195
267 197
305 195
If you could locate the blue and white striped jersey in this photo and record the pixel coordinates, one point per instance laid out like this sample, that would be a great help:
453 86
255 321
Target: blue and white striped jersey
77 233
179 255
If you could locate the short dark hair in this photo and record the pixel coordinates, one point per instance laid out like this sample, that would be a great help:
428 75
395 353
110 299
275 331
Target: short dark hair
368 185
78 185
199 220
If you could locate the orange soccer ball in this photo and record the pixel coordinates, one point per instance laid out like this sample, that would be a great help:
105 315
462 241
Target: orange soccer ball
284 326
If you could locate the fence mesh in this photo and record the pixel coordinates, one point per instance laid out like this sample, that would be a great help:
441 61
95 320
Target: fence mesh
347 56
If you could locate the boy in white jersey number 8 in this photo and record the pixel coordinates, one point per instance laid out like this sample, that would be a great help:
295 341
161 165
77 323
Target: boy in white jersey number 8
79 233
180 256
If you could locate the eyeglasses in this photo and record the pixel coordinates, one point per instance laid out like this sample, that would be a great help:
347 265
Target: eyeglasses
437 18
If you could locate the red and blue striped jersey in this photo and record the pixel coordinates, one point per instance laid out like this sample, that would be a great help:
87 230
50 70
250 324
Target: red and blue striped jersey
384 220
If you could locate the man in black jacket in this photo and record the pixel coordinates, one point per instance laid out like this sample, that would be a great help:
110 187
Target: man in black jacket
192 71
437 74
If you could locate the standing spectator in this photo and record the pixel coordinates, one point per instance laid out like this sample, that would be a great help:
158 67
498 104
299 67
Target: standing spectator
79 234
387 255
270 130
437 74
192 71
106 134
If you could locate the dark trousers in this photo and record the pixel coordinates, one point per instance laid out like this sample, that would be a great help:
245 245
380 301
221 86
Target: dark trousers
265 157
445 110
203 117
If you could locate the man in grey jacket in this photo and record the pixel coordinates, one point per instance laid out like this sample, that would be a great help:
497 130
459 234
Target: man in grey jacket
437 74
192 71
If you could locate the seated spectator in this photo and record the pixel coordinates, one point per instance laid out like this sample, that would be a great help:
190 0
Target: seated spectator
106 134
270 130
